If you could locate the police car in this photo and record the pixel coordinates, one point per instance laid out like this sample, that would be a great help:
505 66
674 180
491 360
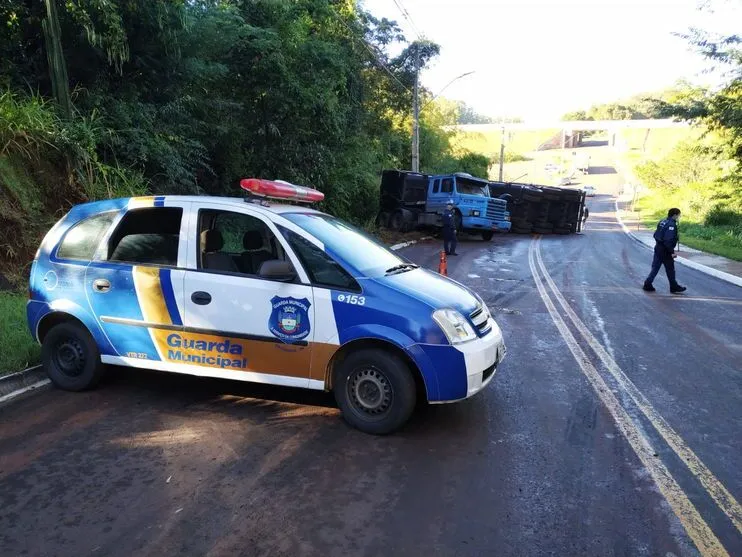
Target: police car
250 290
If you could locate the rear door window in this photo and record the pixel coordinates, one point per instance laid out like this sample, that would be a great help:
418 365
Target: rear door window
83 239
147 236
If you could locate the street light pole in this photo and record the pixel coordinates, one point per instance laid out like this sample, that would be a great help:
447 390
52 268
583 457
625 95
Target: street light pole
416 117
502 150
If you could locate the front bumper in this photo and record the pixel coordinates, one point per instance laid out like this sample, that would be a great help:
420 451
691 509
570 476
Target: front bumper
482 357
454 373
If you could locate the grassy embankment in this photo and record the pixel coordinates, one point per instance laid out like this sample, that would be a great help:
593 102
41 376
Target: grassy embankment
17 348
678 171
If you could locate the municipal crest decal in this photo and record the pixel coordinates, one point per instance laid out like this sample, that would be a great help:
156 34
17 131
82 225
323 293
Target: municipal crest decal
289 319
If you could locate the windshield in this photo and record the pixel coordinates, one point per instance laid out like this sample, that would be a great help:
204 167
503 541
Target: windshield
347 243
470 187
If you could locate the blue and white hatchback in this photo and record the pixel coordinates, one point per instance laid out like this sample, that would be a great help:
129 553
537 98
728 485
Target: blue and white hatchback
255 291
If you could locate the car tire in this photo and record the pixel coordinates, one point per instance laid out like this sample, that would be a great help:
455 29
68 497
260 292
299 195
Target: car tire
71 358
487 235
375 391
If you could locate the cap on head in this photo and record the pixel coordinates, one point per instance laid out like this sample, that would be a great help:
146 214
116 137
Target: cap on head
449 202
673 212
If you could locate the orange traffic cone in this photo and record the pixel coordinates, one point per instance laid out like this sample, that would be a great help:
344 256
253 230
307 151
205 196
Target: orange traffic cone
443 265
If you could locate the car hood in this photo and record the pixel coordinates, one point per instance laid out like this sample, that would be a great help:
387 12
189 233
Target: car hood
433 289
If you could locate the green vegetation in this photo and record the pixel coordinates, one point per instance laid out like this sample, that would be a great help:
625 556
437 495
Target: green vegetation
706 188
714 227
165 96
638 107
701 174
17 349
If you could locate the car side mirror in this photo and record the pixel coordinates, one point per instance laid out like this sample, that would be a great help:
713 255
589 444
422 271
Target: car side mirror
275 269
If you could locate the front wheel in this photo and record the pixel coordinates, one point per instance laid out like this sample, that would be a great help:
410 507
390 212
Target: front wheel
375 391
487 235
71 358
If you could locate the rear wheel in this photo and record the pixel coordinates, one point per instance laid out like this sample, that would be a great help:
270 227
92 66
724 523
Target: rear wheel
396 221
375 391
71 357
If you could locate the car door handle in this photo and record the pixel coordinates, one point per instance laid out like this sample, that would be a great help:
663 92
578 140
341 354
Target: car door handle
201 298
101 285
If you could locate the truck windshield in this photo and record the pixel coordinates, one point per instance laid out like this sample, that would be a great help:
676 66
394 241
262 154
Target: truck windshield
347 243
470 187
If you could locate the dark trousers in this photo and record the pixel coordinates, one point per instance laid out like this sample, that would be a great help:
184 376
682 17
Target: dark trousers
449 242
662 257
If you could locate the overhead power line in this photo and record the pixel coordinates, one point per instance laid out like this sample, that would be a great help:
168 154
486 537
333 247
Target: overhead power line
408 17
371 51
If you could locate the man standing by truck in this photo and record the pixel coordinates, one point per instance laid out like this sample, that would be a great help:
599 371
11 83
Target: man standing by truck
449 229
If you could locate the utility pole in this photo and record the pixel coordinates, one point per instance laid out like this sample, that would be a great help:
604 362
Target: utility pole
416 116
502 150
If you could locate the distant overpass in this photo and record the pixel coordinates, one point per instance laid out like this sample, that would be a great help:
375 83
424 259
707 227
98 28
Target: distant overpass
575 125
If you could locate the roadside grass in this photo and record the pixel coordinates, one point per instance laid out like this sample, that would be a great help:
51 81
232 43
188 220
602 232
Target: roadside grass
18 350
721 240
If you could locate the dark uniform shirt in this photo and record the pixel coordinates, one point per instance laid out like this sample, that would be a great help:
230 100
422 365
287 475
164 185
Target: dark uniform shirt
666 234
448 222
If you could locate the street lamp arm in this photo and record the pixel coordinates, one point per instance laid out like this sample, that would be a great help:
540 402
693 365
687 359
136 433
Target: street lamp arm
444 88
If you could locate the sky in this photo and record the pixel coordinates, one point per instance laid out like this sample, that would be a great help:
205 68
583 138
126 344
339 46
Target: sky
537 59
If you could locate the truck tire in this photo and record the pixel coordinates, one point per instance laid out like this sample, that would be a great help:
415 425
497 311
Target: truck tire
487 235
375 391
396 221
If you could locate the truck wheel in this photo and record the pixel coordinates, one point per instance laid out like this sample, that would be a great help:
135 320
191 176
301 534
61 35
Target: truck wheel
396 221
487 235
375 391
71 357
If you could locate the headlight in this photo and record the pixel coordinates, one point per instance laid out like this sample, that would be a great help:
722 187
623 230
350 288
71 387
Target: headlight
474 213
454 326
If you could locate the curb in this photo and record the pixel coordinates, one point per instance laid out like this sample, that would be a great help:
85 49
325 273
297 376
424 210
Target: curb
727 277
16 384
403 245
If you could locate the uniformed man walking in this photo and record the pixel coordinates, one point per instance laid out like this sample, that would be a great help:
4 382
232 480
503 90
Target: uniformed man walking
666 238
449 229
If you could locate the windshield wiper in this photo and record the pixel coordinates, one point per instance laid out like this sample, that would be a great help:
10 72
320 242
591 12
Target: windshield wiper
402 268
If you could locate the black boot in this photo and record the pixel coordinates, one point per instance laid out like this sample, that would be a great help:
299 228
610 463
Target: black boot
648 287
677 289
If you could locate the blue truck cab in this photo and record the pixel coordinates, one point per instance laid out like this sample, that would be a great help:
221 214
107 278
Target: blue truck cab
410 199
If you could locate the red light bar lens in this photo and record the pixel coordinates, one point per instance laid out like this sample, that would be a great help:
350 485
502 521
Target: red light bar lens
278 189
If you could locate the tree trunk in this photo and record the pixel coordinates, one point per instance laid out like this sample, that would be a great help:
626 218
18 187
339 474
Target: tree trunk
55 57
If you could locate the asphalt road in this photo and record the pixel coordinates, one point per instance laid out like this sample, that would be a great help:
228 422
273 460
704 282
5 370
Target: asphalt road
613 428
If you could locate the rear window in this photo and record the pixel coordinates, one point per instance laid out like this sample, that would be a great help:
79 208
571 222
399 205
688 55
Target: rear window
147 236
83 239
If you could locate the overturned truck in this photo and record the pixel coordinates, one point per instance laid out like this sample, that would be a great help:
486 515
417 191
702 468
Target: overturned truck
541 209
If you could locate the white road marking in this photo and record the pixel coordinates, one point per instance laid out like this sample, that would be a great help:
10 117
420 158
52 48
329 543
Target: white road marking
698 530
720 494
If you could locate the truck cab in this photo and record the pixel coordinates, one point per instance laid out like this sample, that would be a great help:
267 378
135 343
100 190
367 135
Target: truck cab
476 211
410 199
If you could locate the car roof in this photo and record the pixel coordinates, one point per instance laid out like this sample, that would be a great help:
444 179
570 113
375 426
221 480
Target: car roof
270 206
